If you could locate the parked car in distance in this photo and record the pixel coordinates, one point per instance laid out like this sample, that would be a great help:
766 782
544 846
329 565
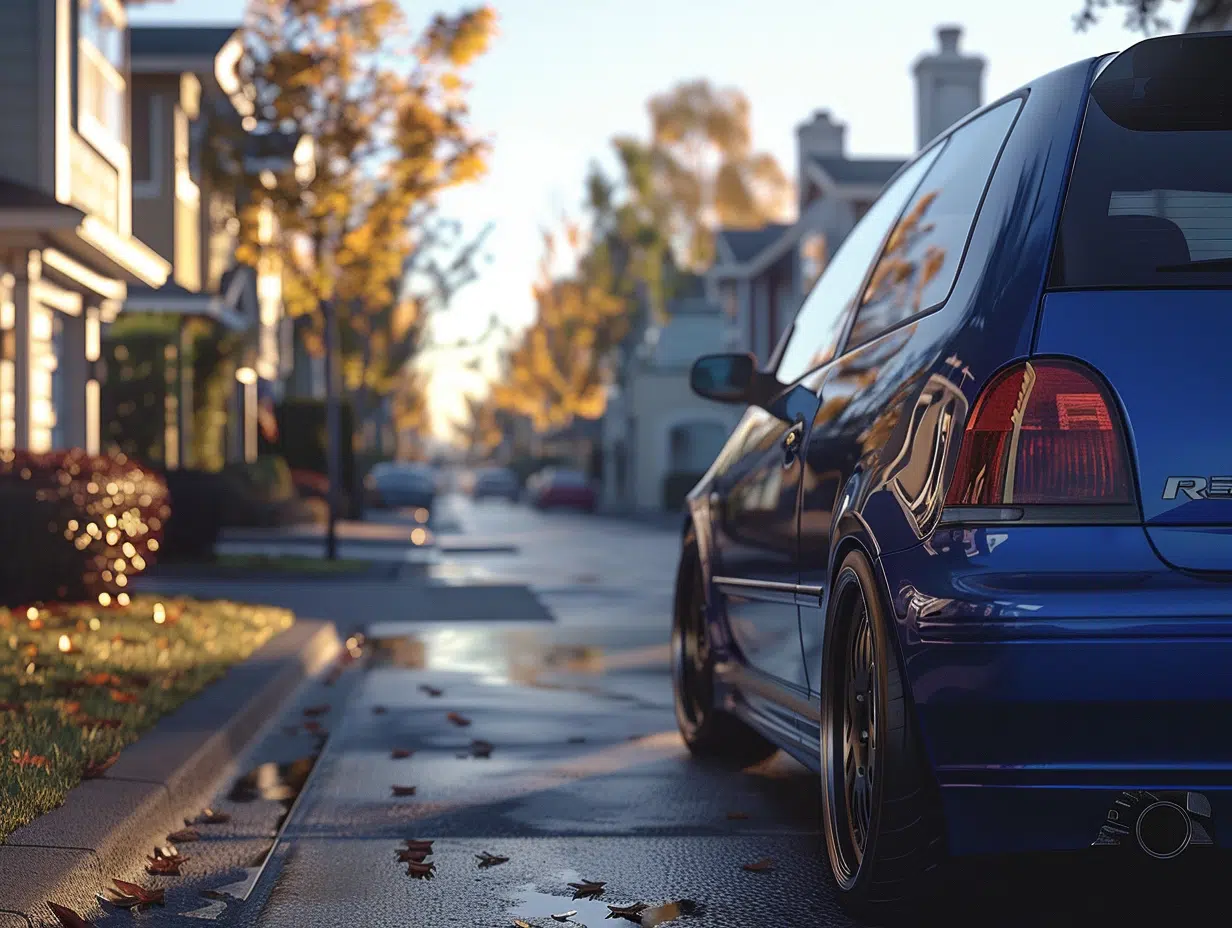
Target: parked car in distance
964 555
497 483
564 489
394 484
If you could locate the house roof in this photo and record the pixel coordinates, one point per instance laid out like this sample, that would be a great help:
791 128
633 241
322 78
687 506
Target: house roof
747 244
180 41
859 170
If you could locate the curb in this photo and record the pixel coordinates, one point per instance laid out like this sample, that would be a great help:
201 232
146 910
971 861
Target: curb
70 853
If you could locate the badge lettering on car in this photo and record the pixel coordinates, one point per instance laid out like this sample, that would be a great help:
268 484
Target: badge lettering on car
1198 487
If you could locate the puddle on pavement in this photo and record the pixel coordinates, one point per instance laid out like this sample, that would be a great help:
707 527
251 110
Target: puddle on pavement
273 782
539 908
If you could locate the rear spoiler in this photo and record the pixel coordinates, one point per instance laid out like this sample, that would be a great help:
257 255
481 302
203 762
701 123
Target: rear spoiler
1170 83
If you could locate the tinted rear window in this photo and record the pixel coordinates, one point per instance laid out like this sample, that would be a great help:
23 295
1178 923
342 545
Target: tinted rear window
1149 202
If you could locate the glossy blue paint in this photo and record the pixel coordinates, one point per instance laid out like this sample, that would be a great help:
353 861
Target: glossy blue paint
1050 666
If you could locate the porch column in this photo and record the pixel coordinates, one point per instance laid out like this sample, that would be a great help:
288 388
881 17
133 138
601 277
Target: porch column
25 272
186 394
93 329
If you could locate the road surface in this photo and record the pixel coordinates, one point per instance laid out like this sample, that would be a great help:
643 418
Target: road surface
556 656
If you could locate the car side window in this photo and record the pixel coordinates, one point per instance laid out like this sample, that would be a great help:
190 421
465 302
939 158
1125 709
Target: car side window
819 323
921 259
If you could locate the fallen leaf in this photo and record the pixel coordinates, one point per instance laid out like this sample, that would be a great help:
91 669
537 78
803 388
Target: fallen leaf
165 866
409 856
587 889
209 817
403 790
134 896
121 696
421 871
415 844
481 748
379 710
431 690
565 916
400 753
490 860
518 923
760 866
25 759
186 836
458 719
737 816
632 912
94 771
314 711
167 852
101 679
67 917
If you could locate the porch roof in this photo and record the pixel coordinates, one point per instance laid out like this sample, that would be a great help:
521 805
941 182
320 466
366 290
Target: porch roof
105 258
233 306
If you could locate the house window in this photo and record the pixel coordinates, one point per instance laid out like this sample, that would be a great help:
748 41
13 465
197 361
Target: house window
102 69
143 138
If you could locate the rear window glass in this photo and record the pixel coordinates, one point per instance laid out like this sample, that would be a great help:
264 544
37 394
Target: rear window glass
1149 203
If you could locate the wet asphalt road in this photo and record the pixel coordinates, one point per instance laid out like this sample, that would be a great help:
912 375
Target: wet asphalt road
557 657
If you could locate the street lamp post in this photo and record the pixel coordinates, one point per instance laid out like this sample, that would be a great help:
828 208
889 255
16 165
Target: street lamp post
333 427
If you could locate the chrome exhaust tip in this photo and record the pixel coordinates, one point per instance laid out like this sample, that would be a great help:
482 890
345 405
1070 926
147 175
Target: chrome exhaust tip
1164 830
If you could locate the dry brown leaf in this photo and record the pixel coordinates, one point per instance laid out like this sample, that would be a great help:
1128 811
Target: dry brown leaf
134 896
482 748
403 790
185 836
165 866
737 816
122 696
421 871
631 912
518 923
490 860
416 844
208 817
431 690
94 771
565 916
458 719
314 711
410 856
400 753
25 759
587 889
760 866
379 710
67 917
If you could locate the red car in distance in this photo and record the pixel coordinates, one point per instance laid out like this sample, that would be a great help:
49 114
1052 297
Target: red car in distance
564 489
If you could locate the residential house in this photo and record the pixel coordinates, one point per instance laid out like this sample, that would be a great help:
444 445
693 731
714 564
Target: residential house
186 86
658 436
657 432
760 276
68 253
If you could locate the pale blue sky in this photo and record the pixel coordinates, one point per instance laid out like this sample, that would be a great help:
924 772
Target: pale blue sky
566 75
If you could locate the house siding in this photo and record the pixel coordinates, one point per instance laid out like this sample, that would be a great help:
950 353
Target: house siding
19 104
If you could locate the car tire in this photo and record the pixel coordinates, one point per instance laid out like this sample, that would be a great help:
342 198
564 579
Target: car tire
708 731
882 817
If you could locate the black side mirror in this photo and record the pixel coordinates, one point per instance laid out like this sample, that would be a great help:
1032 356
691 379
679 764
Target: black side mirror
725 378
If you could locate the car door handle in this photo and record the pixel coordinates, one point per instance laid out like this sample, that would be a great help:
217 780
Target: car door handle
791 444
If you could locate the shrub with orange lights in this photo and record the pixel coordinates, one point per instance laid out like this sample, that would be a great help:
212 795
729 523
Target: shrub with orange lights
77 526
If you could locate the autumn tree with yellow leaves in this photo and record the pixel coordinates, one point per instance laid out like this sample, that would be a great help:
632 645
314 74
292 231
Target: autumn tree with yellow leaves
386 109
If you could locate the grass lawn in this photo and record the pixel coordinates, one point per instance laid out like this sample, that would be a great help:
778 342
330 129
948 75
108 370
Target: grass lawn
290 564
65 714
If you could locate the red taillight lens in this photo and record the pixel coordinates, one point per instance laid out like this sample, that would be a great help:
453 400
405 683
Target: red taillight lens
1043 433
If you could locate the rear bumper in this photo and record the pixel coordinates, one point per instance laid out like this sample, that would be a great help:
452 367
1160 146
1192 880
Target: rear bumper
1052 668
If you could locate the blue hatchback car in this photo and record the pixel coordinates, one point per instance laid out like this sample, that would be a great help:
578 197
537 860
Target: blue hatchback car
968 553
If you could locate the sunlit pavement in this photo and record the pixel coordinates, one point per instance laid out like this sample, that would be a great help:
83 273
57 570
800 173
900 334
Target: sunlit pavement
558 667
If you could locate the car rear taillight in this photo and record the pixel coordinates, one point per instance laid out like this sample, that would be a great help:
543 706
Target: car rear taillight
1043 433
